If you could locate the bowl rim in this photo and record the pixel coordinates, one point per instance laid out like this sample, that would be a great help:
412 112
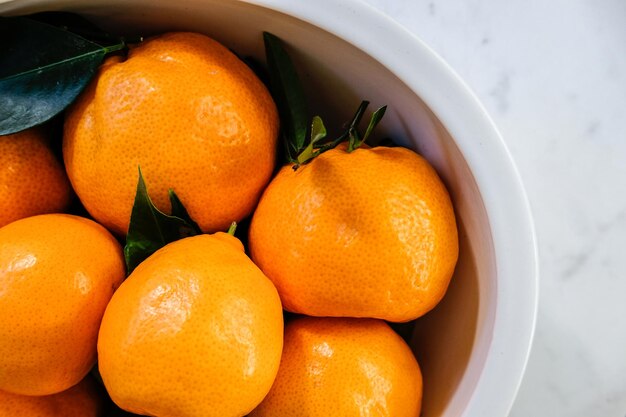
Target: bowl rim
490 162
487 156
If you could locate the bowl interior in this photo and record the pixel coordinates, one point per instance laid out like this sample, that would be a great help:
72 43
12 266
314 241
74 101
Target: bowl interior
451 342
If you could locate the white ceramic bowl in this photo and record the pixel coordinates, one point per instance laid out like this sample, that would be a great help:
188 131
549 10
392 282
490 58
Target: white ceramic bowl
473 347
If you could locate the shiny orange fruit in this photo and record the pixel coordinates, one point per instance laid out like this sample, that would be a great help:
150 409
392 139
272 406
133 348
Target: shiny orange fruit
191 114
371 233
195 331
32 181
344 367
81 400
57 274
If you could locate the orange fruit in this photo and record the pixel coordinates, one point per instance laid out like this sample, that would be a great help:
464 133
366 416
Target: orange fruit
81 400
344 367
195 330
370 233
57 274
32 181
191 114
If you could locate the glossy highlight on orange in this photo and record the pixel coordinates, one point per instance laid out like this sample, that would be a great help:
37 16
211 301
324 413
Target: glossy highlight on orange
371 233
191 114
57 274
344 367
195 331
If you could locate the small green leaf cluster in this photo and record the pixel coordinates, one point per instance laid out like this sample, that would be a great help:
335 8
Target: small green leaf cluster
304 142
150 229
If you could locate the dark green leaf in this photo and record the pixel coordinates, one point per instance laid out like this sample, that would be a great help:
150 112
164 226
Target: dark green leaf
374 120
42 70
289 97
353 135
150 229
318 132
353 139
358 115
179 210
288 94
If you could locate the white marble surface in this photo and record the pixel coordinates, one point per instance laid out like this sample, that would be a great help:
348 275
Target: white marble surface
552 74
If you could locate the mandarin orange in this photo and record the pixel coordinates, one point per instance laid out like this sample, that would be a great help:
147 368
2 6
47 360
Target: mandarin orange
191 114
81 400
32 181
370 233
195 331
344 367
57 274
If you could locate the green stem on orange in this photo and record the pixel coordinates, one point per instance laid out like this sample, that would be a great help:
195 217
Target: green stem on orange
304 143
114 48
232 229
317 143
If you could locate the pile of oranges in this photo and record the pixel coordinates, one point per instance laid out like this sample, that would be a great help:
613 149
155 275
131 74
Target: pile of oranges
347 242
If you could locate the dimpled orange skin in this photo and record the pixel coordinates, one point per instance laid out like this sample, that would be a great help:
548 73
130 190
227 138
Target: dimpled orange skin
344 367
195 330
81 400
57 274
191 114
32 181
370 233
